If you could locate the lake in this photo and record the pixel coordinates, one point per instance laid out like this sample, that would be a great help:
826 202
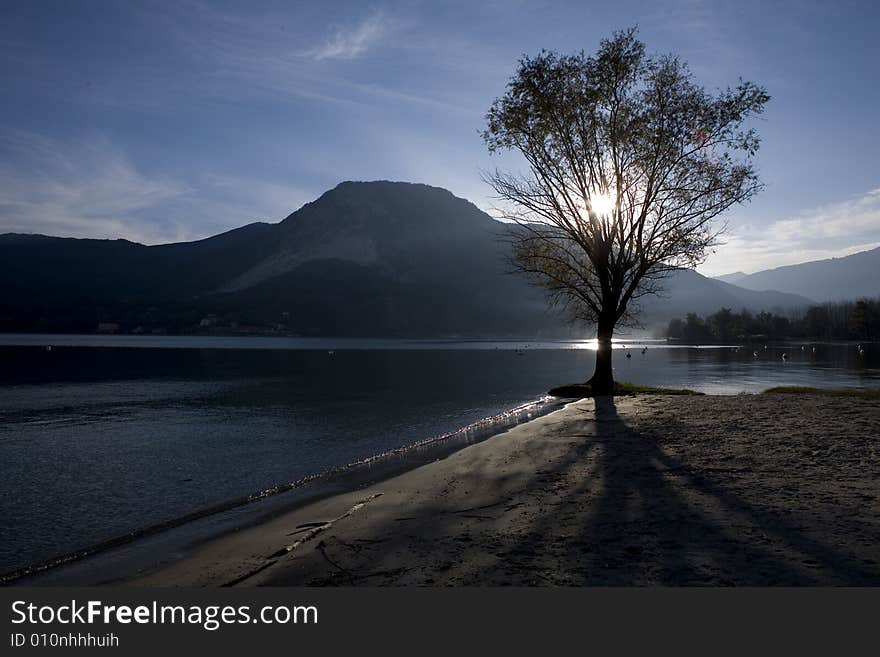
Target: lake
103 435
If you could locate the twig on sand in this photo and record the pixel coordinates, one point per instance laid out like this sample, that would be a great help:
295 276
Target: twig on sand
312 530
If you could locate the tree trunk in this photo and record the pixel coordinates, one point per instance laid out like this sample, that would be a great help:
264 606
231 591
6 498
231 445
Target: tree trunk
603 378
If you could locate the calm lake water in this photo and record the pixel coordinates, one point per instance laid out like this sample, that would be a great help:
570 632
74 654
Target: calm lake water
104 435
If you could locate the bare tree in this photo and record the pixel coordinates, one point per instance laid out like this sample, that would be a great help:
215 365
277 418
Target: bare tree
630 161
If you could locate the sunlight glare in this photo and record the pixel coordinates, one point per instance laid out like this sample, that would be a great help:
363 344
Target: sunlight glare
602 204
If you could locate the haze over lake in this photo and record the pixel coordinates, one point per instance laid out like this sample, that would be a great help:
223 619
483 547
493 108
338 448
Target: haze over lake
101 436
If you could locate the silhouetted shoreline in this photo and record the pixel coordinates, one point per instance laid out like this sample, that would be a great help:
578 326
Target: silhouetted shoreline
117 558
648 490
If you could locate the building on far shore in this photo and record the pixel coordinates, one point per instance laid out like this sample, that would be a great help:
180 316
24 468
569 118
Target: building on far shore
108 327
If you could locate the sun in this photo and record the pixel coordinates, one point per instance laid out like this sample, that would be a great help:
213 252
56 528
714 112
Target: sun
602 204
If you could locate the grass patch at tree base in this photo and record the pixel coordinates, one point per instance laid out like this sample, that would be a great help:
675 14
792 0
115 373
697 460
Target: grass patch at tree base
825 392
621 388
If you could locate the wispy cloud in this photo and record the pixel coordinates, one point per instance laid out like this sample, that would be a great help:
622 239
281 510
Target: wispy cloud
254 52
82 189
351 41
90 188
828 231
835 221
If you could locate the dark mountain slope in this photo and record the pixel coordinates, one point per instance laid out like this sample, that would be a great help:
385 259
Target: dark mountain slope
364 259
55 267
393 225
418 260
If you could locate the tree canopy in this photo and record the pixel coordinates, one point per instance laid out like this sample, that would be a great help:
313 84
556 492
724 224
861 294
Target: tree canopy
629 162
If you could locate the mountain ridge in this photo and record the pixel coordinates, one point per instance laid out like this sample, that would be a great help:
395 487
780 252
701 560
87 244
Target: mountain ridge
830 279
364 259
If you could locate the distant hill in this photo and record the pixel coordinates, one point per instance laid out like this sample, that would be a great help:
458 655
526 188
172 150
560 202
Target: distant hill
835 279
731 278
365 259
689 292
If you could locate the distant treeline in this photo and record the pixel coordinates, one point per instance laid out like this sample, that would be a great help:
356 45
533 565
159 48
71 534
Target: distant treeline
847 320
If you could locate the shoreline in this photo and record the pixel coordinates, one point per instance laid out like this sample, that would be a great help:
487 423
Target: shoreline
642 490
647 490
185 533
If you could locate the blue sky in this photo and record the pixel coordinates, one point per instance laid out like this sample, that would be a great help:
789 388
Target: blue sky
165 121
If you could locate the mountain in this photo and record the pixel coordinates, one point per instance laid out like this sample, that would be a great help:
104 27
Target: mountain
731 278
365 259
686 291
835 279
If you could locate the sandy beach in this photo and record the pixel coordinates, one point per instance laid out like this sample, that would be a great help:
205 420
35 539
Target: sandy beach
646 490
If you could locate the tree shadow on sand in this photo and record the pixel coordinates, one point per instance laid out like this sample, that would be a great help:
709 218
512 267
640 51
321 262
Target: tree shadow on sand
600 502
657 521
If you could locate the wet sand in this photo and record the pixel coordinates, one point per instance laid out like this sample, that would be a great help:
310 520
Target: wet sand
648 490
